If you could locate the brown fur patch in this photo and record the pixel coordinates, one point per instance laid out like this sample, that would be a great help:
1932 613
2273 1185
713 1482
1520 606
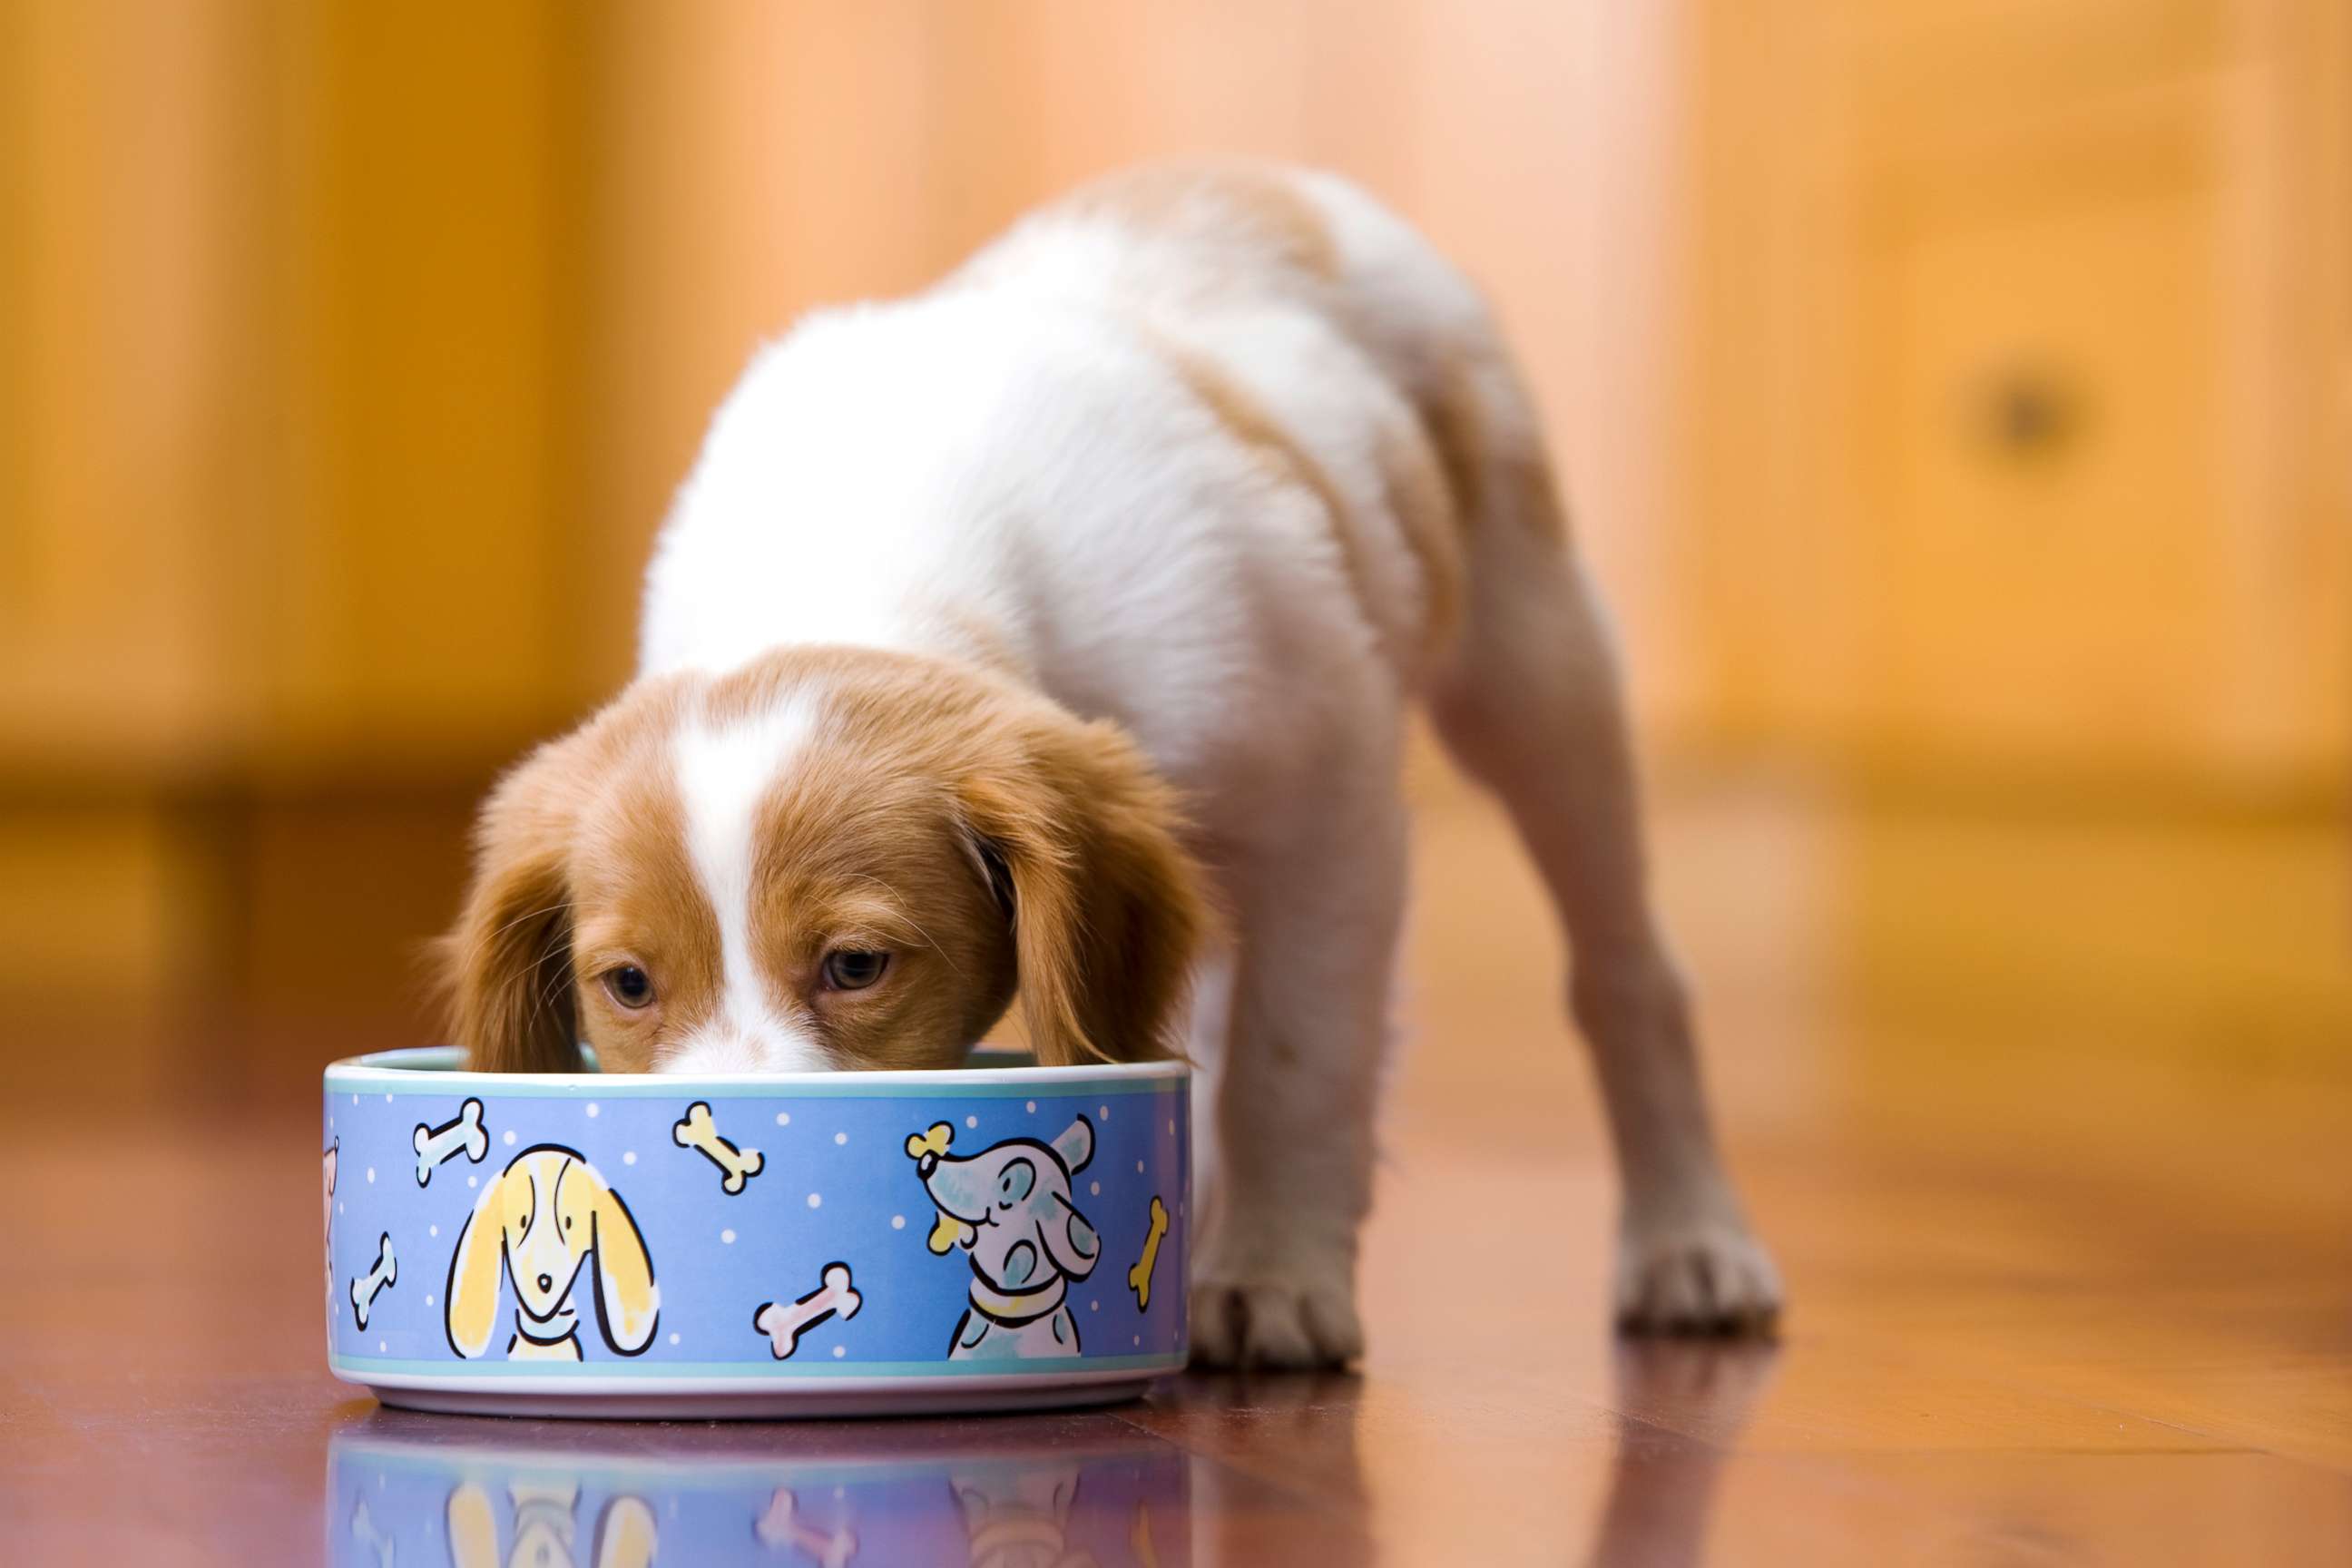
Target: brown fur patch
638 901
1473 460
1244 418
1450 412
509 962
1258 208
1423 508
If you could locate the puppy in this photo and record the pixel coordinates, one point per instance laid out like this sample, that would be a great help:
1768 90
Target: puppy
1001 633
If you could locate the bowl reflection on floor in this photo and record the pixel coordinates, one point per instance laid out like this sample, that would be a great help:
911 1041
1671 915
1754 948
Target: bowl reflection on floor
1006 1493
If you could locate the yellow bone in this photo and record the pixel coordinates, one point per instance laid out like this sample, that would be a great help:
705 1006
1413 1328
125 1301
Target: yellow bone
1139 1278
946 1230
736 1165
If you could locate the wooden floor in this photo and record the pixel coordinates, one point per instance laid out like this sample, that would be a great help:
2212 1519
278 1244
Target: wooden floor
2050 1121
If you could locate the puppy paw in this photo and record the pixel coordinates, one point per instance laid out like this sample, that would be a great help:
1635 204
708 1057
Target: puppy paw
1275 1326
1695 1277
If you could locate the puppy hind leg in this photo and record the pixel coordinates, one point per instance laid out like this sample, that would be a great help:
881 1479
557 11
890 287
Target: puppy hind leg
1530 705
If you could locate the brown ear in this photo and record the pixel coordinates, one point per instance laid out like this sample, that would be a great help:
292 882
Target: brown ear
509 962
1106 907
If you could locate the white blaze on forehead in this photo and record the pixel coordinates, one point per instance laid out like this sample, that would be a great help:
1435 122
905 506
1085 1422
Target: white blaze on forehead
724 772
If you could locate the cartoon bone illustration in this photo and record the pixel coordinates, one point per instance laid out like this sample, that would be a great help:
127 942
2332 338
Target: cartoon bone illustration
1139 1278
462 1132
366 1286
782 1526
786 1324
699 1131
946 1230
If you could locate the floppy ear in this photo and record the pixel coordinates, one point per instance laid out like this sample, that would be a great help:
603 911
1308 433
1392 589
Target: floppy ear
469 1306
473 1527
509 962
627 1302
1107 908
1075 1144
1069 1240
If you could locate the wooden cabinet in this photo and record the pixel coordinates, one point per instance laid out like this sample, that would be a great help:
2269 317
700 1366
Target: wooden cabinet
2019 402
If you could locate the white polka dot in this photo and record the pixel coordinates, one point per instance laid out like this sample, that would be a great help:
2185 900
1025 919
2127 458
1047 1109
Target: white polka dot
1103 1110
897 1222
371 1175
1138 1340
387 1099
355 1099
432 1230
971 1122
816 1200
591 1109
1033 1107
1095 1188
1091 1306
509 1135
1171 1124
339 1208
380 1346
472 1180
727 1237
428 1301
628 1156
1138 1167
841 1137
784 1119
673 1338
840 1351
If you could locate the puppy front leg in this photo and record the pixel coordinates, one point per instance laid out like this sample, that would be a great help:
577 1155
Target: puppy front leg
1274 1281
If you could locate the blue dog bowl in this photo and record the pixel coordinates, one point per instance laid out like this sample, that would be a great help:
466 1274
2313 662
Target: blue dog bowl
799 1244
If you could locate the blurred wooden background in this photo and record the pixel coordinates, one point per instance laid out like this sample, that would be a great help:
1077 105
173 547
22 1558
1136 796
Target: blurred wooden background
1955 396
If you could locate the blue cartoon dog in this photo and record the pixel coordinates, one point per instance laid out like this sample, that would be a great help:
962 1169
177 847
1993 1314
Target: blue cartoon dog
1009 1209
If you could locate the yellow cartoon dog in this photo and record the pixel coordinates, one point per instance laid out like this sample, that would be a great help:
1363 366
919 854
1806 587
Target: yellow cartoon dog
546 1216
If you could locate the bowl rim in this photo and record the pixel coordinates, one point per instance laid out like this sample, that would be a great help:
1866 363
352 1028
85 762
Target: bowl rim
437 1070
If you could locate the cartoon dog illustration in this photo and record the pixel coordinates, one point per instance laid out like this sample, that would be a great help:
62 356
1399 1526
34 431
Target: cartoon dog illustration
548 1213
1009 1208
546 1527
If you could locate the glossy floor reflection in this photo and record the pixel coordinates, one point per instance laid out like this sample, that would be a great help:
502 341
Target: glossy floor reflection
2050 1121
479 1494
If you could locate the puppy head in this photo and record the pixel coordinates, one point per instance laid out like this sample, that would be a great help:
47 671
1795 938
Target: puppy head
832 859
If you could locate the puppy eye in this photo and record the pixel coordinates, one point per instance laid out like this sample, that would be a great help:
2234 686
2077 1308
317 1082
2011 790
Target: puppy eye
848 968
630 986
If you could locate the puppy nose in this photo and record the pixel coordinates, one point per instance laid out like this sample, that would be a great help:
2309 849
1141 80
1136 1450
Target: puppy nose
926 1166
546 1281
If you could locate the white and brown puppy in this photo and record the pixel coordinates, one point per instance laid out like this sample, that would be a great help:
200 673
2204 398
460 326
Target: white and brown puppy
1000 632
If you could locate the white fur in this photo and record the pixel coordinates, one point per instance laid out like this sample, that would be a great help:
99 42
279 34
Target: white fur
723 775
1012 451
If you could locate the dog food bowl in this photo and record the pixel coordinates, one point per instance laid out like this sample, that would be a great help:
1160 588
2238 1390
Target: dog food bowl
999 1237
